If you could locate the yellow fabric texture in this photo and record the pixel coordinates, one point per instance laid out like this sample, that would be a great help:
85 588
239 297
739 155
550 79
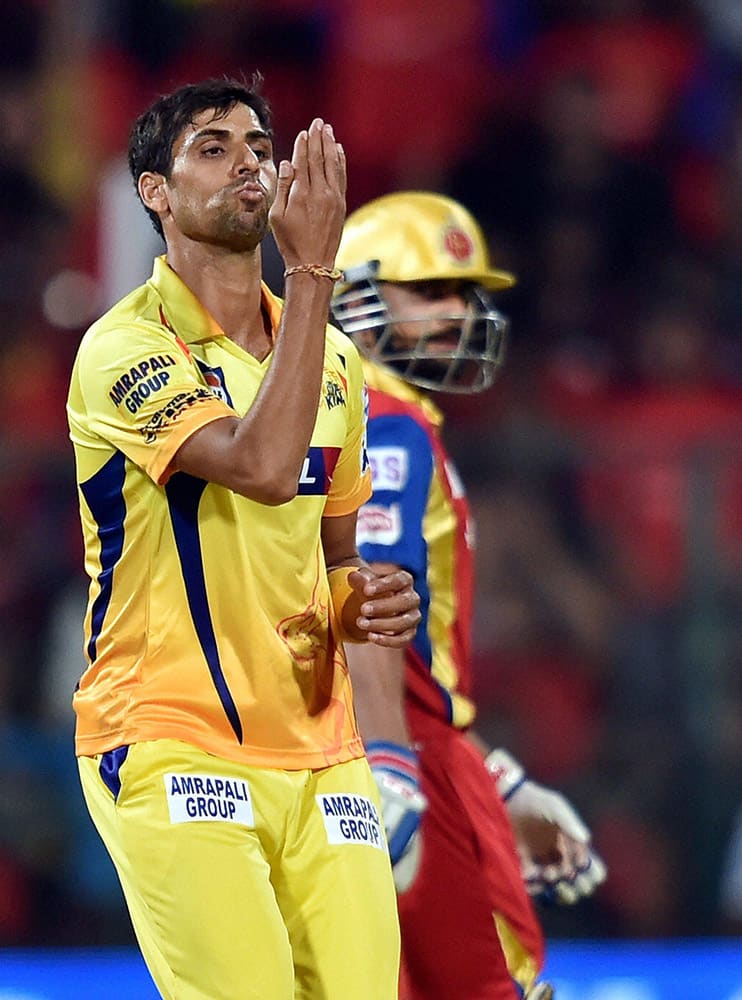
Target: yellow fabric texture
225 909
208 617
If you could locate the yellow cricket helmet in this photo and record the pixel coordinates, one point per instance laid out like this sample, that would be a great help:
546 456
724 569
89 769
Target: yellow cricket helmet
420 237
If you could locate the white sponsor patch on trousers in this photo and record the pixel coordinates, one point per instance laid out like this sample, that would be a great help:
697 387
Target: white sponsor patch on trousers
351 819
207 797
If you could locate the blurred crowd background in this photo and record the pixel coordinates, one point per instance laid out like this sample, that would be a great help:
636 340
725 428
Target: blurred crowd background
599 143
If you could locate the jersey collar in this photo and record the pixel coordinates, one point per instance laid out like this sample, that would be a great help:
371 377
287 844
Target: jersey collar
186 314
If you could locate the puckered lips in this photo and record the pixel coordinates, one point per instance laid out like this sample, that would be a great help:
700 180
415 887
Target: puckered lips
251 192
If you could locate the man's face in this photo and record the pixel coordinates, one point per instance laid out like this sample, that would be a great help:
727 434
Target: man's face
223 180
437 334
430 309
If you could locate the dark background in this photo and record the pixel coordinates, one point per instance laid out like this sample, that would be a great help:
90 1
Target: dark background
600 145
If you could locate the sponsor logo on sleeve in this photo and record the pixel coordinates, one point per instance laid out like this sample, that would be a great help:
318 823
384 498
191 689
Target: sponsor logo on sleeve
351 819
389 468
141 381
169 413
193 798
379 525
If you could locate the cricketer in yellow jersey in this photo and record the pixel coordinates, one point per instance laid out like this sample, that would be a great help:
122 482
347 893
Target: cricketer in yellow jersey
219 445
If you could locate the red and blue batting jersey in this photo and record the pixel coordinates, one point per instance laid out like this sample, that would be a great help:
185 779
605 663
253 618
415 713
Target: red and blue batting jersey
418 518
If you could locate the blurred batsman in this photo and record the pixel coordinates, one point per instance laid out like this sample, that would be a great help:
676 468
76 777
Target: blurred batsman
471 837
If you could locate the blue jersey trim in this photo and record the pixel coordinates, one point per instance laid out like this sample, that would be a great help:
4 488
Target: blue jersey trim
184 494
109 769
104 495
318 470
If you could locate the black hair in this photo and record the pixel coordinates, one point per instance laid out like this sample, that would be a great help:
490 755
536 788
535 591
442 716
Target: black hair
157 129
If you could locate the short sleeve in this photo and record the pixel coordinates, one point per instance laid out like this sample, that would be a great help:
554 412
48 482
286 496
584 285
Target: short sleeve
139 390
351 481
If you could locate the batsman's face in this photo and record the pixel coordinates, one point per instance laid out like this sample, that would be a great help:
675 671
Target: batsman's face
223 179
429 309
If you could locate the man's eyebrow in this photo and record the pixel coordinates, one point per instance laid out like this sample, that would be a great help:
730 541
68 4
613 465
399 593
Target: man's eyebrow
209 132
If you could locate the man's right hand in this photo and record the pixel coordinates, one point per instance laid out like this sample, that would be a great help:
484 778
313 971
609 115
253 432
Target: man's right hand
308 212
557 859
386 606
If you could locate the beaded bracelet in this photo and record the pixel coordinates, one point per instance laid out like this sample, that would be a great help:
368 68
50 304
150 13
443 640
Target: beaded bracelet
333 273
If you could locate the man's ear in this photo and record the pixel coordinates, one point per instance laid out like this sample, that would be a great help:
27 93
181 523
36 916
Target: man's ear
152 191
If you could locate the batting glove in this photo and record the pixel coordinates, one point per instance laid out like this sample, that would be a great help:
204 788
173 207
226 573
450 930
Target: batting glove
397 774
547 827
541 991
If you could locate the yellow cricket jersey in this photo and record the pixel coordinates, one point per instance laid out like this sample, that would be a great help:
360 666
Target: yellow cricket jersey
209 615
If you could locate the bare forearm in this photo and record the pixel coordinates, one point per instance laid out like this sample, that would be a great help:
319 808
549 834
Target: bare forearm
261 455
306 218
277 429
377 674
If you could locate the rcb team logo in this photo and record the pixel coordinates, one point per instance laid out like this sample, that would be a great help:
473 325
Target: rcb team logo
458 244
